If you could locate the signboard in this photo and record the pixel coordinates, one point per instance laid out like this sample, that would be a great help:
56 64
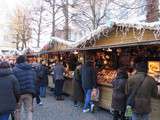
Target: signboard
154 71
154 67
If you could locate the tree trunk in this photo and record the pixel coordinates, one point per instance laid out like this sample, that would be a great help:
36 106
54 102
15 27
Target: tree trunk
66 27
93 9
53 18
39 27
152 10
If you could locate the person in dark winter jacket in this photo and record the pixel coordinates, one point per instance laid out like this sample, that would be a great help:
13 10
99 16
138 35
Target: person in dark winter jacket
37 86
88 76
26 77
147 89
43 79
119 95
9 91
77 85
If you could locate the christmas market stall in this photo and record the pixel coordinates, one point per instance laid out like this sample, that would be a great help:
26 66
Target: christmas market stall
118 44
59 49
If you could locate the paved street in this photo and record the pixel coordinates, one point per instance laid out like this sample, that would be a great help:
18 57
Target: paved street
64 110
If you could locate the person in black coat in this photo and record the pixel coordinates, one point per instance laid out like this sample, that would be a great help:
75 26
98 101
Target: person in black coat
9 91
88 76
119 95
43 79
77 86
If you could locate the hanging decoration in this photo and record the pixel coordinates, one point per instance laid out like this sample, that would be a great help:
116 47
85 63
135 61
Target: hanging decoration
157 33
121 27
138 33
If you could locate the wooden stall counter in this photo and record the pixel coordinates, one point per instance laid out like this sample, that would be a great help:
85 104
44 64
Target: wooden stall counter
68 85
105 97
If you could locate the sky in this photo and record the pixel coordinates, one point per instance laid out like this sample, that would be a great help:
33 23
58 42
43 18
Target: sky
7 9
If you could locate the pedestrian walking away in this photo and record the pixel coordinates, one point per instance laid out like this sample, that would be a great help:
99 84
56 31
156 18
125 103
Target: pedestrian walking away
142 97
37 84
119 95
43 78
26 77
9 91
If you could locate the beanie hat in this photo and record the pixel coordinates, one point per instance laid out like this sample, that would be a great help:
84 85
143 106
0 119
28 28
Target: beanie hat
141 67
21 59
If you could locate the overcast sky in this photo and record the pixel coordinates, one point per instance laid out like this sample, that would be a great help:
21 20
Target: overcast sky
7 9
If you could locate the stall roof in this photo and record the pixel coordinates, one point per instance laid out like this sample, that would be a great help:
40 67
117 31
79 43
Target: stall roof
104 30
107 28
62 41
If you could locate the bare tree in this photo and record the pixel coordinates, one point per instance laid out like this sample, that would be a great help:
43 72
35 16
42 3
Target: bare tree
152 10
91 13
65 6
37 20
54 10
20 28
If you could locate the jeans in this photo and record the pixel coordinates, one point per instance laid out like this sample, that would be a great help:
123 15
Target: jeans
59 87
27 101
4 116
136 116
88 101
42 91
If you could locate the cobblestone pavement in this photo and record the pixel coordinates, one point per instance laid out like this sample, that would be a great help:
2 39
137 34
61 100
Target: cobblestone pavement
64 110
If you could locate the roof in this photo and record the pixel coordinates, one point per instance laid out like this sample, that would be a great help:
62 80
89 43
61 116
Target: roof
107 28
104 30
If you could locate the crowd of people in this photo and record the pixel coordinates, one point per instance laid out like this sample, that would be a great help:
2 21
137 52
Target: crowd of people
22 82
19 85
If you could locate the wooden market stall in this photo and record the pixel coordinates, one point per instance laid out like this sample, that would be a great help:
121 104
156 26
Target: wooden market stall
118 45
59 49
110 47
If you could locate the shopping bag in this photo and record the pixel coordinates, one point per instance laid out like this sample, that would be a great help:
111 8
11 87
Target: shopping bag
128 112
95 95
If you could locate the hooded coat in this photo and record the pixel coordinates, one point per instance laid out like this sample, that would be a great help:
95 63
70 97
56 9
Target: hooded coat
26 77
9 90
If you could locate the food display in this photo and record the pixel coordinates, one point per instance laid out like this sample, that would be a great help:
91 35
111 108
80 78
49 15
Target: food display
154 67
154 71
106 76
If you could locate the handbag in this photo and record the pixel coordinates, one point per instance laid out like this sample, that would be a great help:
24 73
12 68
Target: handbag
131 98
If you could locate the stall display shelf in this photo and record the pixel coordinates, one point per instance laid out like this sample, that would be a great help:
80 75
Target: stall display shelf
106 76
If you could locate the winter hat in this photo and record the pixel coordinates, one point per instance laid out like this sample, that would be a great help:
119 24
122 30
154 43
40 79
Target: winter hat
21 59
141 67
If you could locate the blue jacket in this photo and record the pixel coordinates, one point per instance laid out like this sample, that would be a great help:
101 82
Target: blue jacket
9 90
26 77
